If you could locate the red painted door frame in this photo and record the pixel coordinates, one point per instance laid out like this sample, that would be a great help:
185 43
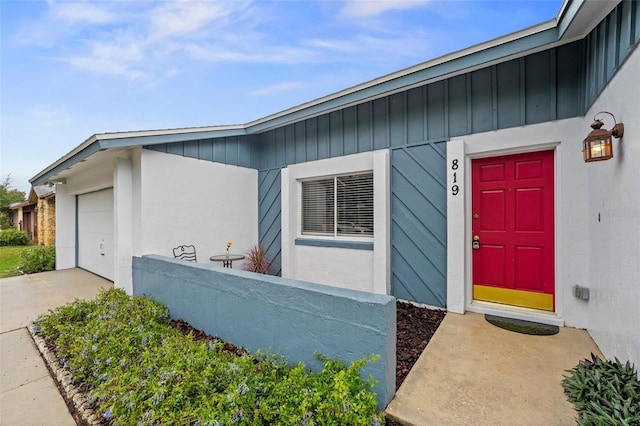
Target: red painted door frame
513 228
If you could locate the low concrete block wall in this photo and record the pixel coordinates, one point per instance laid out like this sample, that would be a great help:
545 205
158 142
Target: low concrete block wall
290 317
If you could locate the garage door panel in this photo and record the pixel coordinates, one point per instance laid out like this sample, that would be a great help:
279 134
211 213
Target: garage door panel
95 233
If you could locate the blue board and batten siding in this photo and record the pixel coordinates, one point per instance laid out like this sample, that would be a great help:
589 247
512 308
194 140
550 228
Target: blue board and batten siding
415 124
269 213
234 150
608 45
419 223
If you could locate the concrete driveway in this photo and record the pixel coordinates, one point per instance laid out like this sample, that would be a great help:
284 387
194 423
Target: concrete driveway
28 395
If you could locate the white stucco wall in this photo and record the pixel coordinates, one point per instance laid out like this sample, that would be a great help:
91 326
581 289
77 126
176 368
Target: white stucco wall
94 178
190 201
65 228
366 270
613 221
571 252
123 196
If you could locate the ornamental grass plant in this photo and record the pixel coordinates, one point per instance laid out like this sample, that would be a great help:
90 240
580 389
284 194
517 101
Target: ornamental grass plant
256 260
136 369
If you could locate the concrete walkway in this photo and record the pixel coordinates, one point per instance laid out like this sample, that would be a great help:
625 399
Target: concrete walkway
473 373
28 395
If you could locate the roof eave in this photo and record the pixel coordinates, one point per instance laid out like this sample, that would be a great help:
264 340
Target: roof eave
99 142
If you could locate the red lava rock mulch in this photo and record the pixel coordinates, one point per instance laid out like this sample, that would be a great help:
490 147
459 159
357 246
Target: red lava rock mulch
415 327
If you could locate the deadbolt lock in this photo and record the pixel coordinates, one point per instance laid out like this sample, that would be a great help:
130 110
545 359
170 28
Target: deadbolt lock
476 243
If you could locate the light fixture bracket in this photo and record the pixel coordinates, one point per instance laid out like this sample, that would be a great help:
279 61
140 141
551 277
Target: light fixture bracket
617 131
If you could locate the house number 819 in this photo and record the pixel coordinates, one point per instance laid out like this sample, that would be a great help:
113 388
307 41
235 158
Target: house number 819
455 189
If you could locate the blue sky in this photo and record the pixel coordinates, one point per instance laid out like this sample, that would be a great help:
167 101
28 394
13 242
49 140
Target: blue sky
70 69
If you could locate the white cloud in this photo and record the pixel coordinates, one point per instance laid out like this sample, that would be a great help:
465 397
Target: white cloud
255 54
118 57
148 36
83 13
146 41
376 47
368 8
186 17
63 21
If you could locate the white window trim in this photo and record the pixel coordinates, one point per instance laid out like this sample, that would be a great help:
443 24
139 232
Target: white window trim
291 178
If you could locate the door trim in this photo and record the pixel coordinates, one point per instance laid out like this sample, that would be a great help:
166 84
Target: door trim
510 237
459 255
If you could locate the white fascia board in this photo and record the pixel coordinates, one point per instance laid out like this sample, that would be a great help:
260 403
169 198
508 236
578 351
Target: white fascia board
196 132
99 142
79 153
579 17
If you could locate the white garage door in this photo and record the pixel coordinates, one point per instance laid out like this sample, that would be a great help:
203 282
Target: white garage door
95 232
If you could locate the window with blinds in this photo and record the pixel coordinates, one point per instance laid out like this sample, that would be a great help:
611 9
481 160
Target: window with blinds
338 206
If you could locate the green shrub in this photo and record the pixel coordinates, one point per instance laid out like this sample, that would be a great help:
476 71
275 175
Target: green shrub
38 259
13 237
136 369
604 392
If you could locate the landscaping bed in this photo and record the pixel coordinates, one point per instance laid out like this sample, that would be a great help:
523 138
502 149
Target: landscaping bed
415 327
341 397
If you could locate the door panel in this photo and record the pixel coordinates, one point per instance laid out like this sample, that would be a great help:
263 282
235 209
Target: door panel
493 210
492 261
527 200
513 220
529 267
95 233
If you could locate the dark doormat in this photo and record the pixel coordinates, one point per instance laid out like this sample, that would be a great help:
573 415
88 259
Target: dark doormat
522 326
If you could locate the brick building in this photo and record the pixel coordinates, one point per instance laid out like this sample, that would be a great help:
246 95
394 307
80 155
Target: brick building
37 215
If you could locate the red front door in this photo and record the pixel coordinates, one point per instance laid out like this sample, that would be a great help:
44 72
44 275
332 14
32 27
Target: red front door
513 229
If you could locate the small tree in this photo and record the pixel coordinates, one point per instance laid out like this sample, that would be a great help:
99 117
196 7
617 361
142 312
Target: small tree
8 196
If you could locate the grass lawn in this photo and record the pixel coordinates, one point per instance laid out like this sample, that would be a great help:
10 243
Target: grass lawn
9 260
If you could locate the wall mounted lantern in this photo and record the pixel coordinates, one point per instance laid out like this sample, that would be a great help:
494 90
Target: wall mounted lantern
597 145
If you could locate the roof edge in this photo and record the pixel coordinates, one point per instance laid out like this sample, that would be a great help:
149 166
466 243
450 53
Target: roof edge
449 57
110 140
